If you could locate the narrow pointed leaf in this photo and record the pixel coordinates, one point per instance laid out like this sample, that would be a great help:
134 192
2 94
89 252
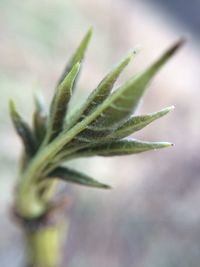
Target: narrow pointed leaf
126 97
60 104
123 102
78 55
137 123
73 176
23 130
122 147
40 118
102 91
119 106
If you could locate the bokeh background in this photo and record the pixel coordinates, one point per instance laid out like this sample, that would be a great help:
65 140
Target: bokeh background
151 218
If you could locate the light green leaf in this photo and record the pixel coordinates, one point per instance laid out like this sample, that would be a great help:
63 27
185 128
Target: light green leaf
121 147
73 176
78 55
137 123
101 92
40 117
23 130
60 104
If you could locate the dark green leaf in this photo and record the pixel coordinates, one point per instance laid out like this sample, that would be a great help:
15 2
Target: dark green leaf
137 123
23 130
121 147
73 176
60 104
101 92
78 55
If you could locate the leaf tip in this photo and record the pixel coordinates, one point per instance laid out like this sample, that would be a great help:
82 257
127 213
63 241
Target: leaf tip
136 49
172 107
88 35
181 41
90 31
105 186
129 57
159 145
11 106
167 110
166 144
133 52
176 46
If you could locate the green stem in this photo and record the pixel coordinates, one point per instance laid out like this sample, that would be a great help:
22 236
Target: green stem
44 246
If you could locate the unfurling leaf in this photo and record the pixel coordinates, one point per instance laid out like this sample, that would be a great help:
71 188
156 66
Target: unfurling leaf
78 55
121 147
23 130
73 176
60 104
137 123
40 118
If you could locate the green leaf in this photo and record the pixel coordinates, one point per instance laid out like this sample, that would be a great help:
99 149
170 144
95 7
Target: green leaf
123 102
118 107
137 123
101 92
121 147
40 117
23 130
60 104
127 95
69 175
78 55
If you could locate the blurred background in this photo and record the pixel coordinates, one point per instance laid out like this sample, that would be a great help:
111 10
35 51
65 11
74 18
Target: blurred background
151 218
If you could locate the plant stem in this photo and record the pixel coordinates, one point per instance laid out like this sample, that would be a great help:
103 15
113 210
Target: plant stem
29 205
44 245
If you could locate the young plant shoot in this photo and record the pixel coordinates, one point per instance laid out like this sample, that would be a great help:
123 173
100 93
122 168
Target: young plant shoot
99 127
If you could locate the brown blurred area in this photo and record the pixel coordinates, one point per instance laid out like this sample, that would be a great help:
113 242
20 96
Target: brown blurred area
150 218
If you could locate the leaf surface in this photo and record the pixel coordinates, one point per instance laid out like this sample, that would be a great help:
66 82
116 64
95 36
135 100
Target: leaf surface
73 176
121 147
60 104
78 55
137 123
23 130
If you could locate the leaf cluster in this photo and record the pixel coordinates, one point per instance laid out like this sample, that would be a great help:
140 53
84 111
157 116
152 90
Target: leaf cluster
99 127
